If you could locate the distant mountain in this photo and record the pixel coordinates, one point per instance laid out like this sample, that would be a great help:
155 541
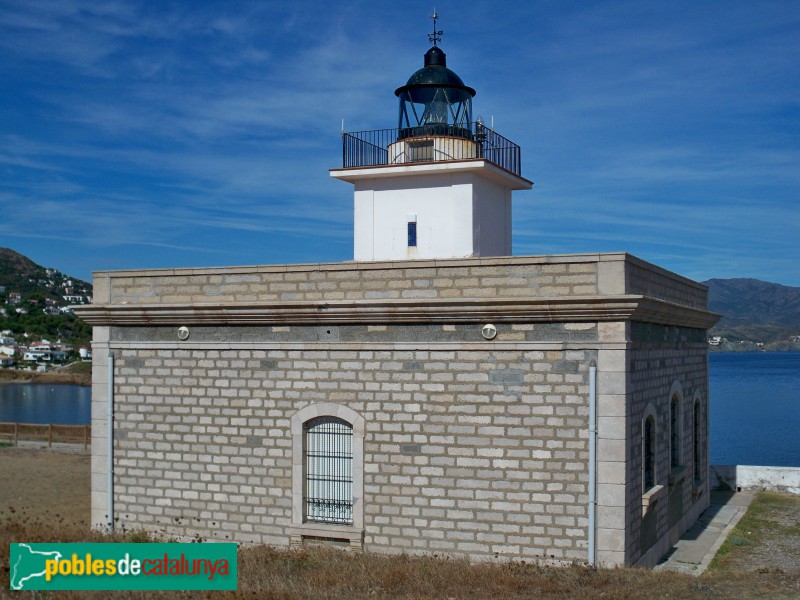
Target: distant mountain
754 310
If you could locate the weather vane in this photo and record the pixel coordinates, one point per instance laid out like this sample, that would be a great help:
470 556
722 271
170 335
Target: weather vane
436 36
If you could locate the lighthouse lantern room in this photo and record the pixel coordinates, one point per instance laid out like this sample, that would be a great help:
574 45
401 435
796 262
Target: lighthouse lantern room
437 186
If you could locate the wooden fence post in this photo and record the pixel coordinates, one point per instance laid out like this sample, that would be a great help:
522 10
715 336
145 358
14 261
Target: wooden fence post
67 434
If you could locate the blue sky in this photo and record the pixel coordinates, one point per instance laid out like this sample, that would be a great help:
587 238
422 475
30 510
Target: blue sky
171 134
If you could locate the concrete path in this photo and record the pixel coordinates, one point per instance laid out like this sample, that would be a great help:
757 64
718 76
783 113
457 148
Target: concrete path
698 546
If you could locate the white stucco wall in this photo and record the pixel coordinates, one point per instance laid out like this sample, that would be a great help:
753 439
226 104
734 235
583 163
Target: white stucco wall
746 477
441 204
491 219
461 209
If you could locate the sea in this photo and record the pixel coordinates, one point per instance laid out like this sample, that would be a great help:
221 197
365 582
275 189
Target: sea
45 403
754 407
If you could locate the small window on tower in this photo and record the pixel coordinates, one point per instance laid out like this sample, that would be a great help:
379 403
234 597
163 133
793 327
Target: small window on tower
412 234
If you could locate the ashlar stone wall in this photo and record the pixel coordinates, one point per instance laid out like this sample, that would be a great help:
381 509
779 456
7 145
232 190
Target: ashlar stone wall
469 445
479 451
666 362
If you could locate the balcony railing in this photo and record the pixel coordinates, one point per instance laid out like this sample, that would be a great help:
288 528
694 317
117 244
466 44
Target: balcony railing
381 147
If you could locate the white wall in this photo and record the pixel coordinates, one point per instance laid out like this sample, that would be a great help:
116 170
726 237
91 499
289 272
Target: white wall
457 214
778 479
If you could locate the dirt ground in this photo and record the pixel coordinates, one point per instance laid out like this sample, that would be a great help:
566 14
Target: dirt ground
41 482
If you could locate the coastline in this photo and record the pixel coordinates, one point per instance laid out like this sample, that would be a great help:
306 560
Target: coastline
723 343
735 348
48 377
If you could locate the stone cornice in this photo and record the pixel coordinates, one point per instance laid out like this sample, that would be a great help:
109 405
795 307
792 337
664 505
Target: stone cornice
500 310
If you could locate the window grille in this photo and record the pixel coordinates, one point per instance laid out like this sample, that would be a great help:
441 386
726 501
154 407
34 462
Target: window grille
649 453
329 470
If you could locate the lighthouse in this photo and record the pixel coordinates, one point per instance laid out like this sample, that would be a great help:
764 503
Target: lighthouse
439 184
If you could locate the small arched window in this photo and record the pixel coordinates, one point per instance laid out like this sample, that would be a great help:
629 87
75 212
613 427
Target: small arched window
328 470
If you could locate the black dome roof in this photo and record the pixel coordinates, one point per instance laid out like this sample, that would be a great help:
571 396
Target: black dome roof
435 74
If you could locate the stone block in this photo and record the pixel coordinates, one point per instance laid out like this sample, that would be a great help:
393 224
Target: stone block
611 472
612 360
611 405
610 495
611 428
611 450
611 277
612 540
612 382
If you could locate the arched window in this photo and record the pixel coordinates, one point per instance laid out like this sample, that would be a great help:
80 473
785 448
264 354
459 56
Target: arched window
327 474
328 470
649 452
674 432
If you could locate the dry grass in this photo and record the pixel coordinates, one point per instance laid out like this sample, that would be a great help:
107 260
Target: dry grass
328 573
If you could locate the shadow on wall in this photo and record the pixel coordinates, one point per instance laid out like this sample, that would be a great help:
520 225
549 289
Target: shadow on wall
736 478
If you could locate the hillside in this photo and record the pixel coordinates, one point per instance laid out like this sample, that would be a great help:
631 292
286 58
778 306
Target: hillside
20 274
756 311
34 300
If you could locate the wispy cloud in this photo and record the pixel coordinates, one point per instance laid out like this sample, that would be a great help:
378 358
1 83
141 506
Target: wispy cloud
206 130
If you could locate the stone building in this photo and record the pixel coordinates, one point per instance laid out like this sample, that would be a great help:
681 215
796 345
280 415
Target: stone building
436 395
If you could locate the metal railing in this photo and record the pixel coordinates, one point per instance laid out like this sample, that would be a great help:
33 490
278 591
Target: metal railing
73 434
371 148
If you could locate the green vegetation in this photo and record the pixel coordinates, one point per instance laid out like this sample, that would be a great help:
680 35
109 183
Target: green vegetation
78 368
67 327
28 290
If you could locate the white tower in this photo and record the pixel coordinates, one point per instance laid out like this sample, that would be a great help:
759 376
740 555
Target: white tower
438 186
